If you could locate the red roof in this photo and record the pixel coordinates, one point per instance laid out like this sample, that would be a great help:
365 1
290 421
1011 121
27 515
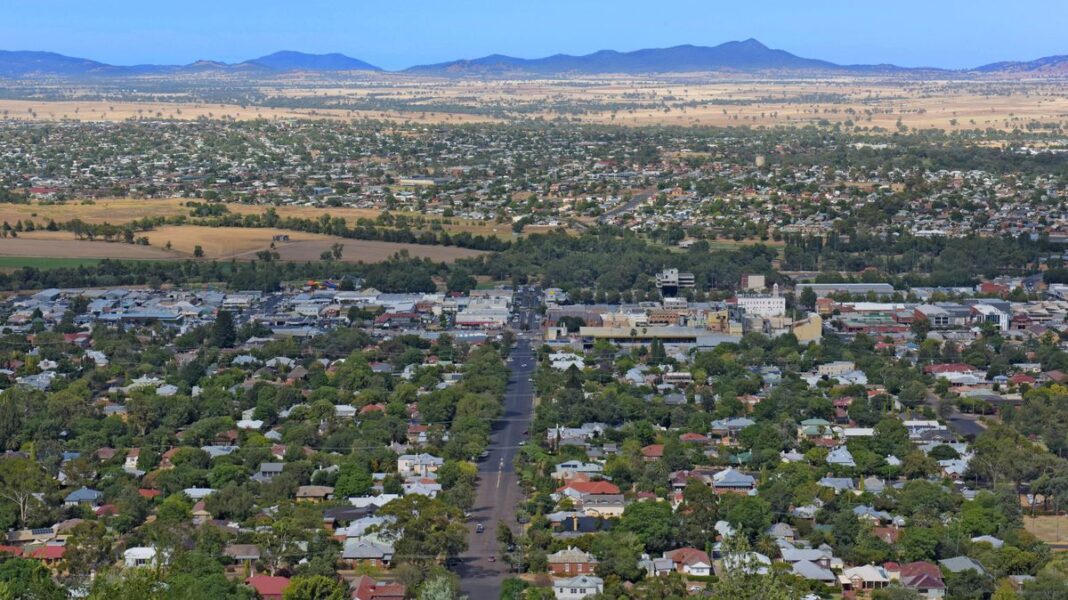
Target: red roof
268 586
147 493
48 552
653 451
688 556
693 437
11 550
950 368
591 487
366 588
1020 378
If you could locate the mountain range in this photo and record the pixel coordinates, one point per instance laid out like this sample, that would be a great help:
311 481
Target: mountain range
744 56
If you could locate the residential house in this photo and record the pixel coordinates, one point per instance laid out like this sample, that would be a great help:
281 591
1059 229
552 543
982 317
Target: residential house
691 561
576 588
571 561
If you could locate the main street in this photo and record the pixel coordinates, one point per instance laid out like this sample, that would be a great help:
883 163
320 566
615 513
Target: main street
498 494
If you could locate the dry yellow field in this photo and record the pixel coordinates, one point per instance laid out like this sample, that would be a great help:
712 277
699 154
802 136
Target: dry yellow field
92 110
51 244
695 99
1050 529
221 243
118 211
113 210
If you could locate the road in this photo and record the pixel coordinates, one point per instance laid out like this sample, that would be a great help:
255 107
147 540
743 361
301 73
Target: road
963 424
498 494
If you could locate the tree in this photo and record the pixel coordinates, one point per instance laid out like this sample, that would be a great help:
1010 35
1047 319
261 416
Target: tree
698 514
437 588
22 579
315 587
426 529
198 251
653 522
461 280
895 592
746 580
223 333
20 479
751 515
88 549
617 554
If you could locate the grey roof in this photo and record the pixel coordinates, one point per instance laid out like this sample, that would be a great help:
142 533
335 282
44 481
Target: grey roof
958 564
83 495
813 572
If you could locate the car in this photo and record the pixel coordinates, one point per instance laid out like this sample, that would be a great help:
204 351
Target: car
492 558
522 442
479 528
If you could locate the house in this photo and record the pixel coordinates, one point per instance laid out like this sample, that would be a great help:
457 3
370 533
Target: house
841 456
569 469
576 490
838 484
314 493
863 579
653 452
246 554
268 587
51 555
731 481
811 571
268 471
367 588
421 465
571 561
367 551
84 496
959 564
923 577
603 505
141 556
576 588
691 561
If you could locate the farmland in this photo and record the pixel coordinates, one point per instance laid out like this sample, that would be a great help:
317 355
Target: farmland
680 100
222 243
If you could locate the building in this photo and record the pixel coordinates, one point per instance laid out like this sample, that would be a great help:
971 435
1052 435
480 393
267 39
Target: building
826 289
571 561
762 305
671 281
576 588
268 587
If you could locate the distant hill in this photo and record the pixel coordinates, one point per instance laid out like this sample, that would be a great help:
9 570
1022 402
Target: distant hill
748 55
25 63
288 60
20 64
1050 65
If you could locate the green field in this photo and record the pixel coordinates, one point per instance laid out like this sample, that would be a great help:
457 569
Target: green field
44 262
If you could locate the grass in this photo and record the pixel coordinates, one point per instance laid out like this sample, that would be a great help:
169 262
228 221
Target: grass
1050 529
46 262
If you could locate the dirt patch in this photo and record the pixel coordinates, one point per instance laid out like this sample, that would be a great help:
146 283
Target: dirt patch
71 248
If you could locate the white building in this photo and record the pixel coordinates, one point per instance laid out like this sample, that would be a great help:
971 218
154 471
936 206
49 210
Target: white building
761 305
576 588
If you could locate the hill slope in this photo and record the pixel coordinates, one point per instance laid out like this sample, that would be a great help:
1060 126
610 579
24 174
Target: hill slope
749 55
288 60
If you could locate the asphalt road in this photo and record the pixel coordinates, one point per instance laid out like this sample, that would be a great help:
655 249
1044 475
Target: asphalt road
963 424
498 493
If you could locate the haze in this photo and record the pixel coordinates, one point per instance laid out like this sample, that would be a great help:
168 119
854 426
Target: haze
951 34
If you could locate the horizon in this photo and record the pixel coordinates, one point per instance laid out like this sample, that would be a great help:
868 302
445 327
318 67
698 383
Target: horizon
130 34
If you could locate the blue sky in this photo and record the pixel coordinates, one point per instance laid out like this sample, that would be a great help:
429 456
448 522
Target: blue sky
400 33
